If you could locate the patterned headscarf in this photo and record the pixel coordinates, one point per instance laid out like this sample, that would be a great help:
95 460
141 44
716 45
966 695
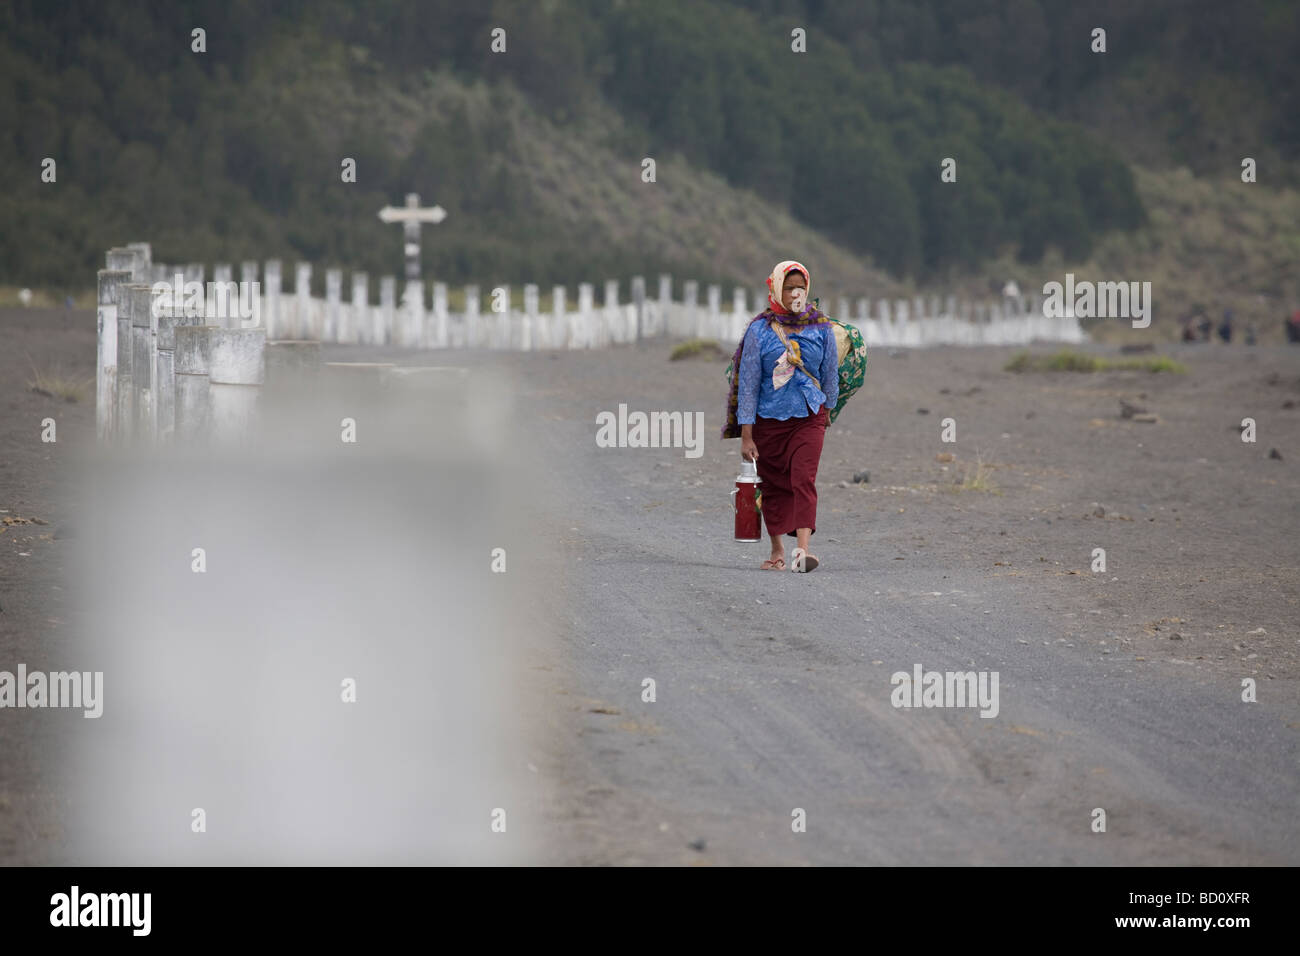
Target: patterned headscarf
810 315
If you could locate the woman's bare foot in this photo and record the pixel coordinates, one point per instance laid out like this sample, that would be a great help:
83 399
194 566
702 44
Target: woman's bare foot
774 563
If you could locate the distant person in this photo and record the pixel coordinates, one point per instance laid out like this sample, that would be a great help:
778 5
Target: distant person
787 380
1189 331
1225 327
1293 327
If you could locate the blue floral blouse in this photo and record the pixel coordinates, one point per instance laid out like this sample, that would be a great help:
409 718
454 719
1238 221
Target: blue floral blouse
771 388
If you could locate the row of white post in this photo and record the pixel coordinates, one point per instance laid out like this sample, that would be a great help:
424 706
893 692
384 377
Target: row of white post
158 376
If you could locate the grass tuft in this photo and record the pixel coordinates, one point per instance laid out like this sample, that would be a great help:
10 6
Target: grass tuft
696 348
55 384
1070 361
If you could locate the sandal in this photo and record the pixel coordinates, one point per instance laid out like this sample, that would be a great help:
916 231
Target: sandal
801 560
773 565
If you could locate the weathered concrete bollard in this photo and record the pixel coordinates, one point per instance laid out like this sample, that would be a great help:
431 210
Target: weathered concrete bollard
165 369
359 328
236 371
660 324
144 359
473 323
301 327
333 305
271 284
637 327
559 317
386 318
412 315
529 326
193 401
122 259
691 325
499 324
607 328
440 325
144 262
125 366
110 288
584 320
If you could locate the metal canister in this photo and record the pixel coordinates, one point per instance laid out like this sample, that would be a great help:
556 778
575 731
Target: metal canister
747 500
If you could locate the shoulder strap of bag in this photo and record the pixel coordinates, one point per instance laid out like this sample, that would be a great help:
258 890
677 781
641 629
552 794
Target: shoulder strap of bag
780 333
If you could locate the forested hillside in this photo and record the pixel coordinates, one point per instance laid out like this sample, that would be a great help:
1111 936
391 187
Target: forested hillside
235 152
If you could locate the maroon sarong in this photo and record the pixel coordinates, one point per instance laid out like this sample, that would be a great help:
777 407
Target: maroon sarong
788 454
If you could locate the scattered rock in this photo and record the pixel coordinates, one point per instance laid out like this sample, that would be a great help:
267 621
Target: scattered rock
1258 630
1274 453
1289 403
1128 409
862 477
1175 636
1147 418
945 457
923 411
845 484
945 391
1099 512
698 845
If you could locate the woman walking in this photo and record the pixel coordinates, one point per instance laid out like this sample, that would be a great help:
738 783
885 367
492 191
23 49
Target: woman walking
787 379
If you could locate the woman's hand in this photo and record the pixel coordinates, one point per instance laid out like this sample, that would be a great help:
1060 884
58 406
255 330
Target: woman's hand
748 450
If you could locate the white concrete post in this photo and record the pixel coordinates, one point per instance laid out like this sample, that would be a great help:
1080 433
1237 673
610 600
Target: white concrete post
739 315
222 276
559 318
121 259
333 304
110 289
272 317
843 313
386 329
302 325
125 414
665 303
165 369
193 407
359 325
413 314
236 370
640 324
498 323
607 327
585 318
714 312
473 325
225 293
530 317
690 326
144 361
144 261
440 317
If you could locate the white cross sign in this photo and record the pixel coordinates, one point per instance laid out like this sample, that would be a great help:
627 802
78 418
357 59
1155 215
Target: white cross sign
411 216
